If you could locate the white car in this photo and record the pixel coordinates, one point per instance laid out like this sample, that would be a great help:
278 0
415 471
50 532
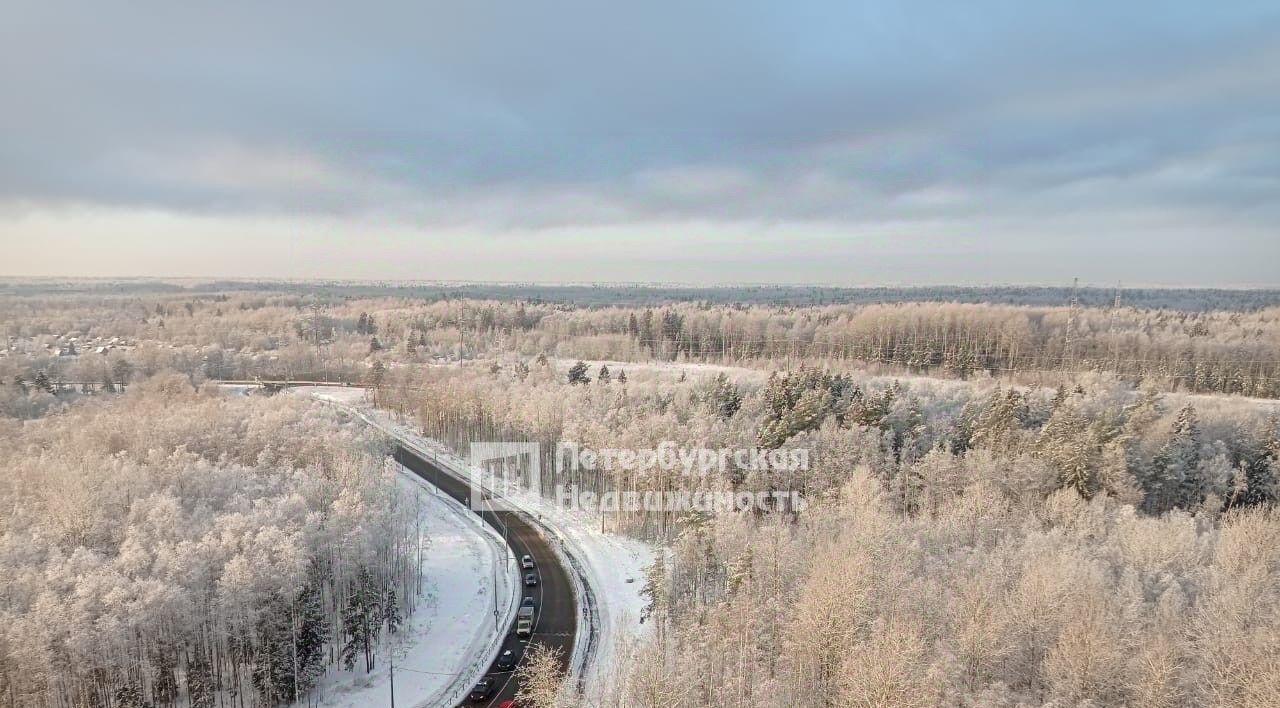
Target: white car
526 561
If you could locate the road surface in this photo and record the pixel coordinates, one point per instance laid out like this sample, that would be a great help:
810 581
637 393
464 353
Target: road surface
556 616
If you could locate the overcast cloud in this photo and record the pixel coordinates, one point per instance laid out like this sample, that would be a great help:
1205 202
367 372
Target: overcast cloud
828 141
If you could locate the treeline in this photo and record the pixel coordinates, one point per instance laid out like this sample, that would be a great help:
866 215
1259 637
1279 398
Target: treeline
171 546
659 295
1205 352
274 336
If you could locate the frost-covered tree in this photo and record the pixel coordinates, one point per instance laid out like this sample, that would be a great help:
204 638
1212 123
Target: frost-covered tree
1262 470
725 397
274 653
578 373
1176 468
1068 442
195 534
362 619
42 382
541 677
377 373
997 427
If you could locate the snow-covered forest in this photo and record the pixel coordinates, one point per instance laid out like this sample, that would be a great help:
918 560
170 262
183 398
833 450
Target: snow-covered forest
179 546
967 544
1008 504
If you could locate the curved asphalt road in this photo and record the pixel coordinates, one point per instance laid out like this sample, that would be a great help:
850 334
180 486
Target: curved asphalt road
555 620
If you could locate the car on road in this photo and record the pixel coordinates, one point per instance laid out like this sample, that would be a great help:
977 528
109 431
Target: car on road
527 602
482 689
506 660
531 579
526 561
524 621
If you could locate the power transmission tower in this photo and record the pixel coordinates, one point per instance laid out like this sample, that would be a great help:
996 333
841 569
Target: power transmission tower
1069 349
315 323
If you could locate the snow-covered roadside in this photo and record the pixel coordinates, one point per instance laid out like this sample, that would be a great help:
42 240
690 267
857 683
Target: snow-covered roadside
610 567
452 637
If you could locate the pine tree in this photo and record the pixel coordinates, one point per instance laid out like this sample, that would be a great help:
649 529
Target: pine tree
1262 473
604 377
1059 398
1140 416
727 400
377 373
391 612
200 682
646 330
999 422
273 659
42 382
361 618
1067 442
312 636
622 376
655 589
122 370
129 695
578 374
1177 466
796 402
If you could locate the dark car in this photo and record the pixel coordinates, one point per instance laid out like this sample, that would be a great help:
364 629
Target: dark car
527 602
530 579
506 660
526 561
483 688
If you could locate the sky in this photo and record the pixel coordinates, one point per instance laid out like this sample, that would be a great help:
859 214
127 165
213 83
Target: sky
812 141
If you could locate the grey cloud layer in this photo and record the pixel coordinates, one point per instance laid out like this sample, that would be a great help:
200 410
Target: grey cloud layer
536 115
